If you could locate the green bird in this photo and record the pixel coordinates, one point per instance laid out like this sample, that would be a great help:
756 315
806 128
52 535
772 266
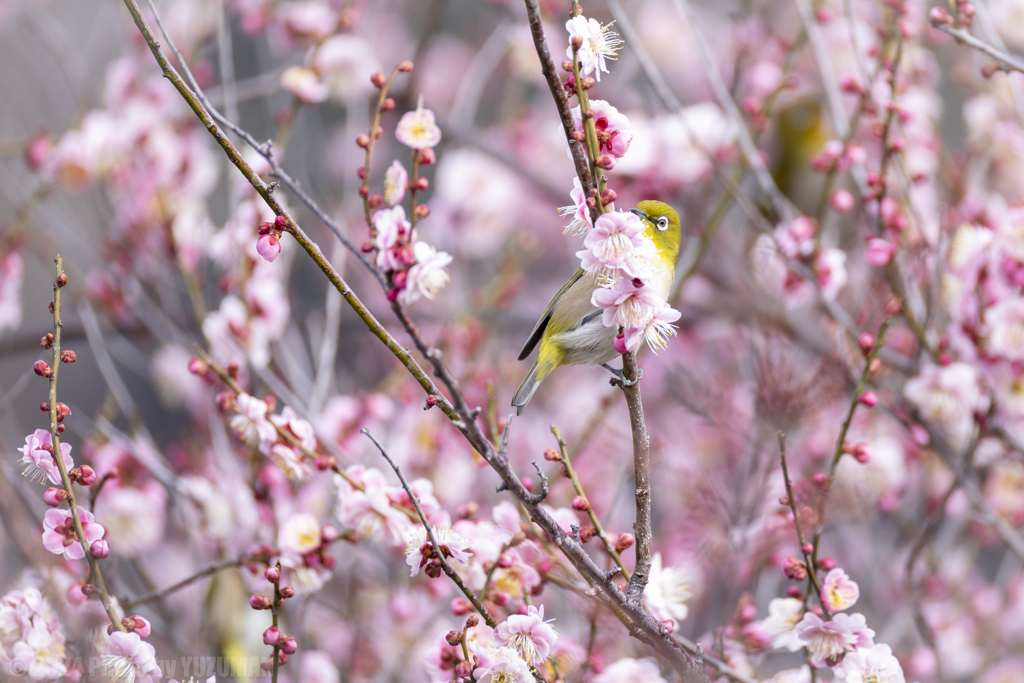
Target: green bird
570 331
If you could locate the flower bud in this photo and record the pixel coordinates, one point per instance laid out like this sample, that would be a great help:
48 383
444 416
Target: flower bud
47 341
819 479
387 105
138 625
579 136
405 67
62 411
623 542
421 184
42 369
527 483
567 65
866 341
868 398
75 596
287 592
259 601
826 563
272 636
552 455
329 533
362 140
88 589
377 78
587 533
876 364
99 549
198 366
795 592
608 197
422 211
430 403
500 598
62 279
361 172
862 453
426 157
939 15
54 496
460 606
807 548
588 82
842 201
233 368
273 574
454 638
606 162
60 429
68 356
289 646
463 669
581 504
375 200
794 569
577 42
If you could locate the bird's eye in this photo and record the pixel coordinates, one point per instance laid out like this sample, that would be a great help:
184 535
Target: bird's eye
662 223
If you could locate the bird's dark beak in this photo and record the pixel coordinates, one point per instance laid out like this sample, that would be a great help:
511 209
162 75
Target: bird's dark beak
640 213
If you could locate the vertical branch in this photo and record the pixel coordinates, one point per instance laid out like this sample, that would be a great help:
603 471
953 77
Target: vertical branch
65 478
274 611
641 481
547 65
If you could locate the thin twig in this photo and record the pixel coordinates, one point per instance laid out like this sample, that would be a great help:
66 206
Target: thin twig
1008 62
451 573
94 567
209 570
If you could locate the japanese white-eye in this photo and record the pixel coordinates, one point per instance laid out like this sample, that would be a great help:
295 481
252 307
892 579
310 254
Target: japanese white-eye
570 331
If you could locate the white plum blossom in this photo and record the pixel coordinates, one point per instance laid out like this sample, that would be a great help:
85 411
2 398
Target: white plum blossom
250 421
667 592
631 671
39 462
828 642
428 275
300 534
395 180
581 221
419 550
781 623
600 42
870 665
503 665
418 129
1005 322
610 245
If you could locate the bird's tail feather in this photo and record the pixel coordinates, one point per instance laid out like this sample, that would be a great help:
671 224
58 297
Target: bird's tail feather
526 390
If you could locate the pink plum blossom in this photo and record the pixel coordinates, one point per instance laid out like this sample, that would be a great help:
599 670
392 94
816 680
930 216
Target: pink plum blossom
528 634
39 462
626 303
59 536
369 511
393 231
654 328
581 221
129 658
838 591
828 642
134 516
946 395
268 246
613 133
1005 322
611 243
419 550
502 665
39 653
296 426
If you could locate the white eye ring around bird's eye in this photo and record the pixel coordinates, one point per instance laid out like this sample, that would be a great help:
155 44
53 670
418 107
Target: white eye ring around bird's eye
662 223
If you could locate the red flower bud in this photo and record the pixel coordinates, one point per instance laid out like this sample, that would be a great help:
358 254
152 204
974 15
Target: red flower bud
868 398
272 636
47 341
866 340
431 402
807 548
44 406
273 574
422 211
360 172
375 200
586 533
588 82
42 369
460 606
567 66
405 67
862 453
463 669
606 162
552 455
62 279
387 105
75 595
623 542
454 638
326 462
577 42
83 474
377 78
794 569
287 592
259 601
827 563
795 592
421 184
581 504
426 157
362 140
99 549
54 496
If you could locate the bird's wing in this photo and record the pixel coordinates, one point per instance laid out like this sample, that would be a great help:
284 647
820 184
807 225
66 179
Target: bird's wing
538 329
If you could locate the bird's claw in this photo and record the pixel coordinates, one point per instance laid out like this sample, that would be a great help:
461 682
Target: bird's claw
620 376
